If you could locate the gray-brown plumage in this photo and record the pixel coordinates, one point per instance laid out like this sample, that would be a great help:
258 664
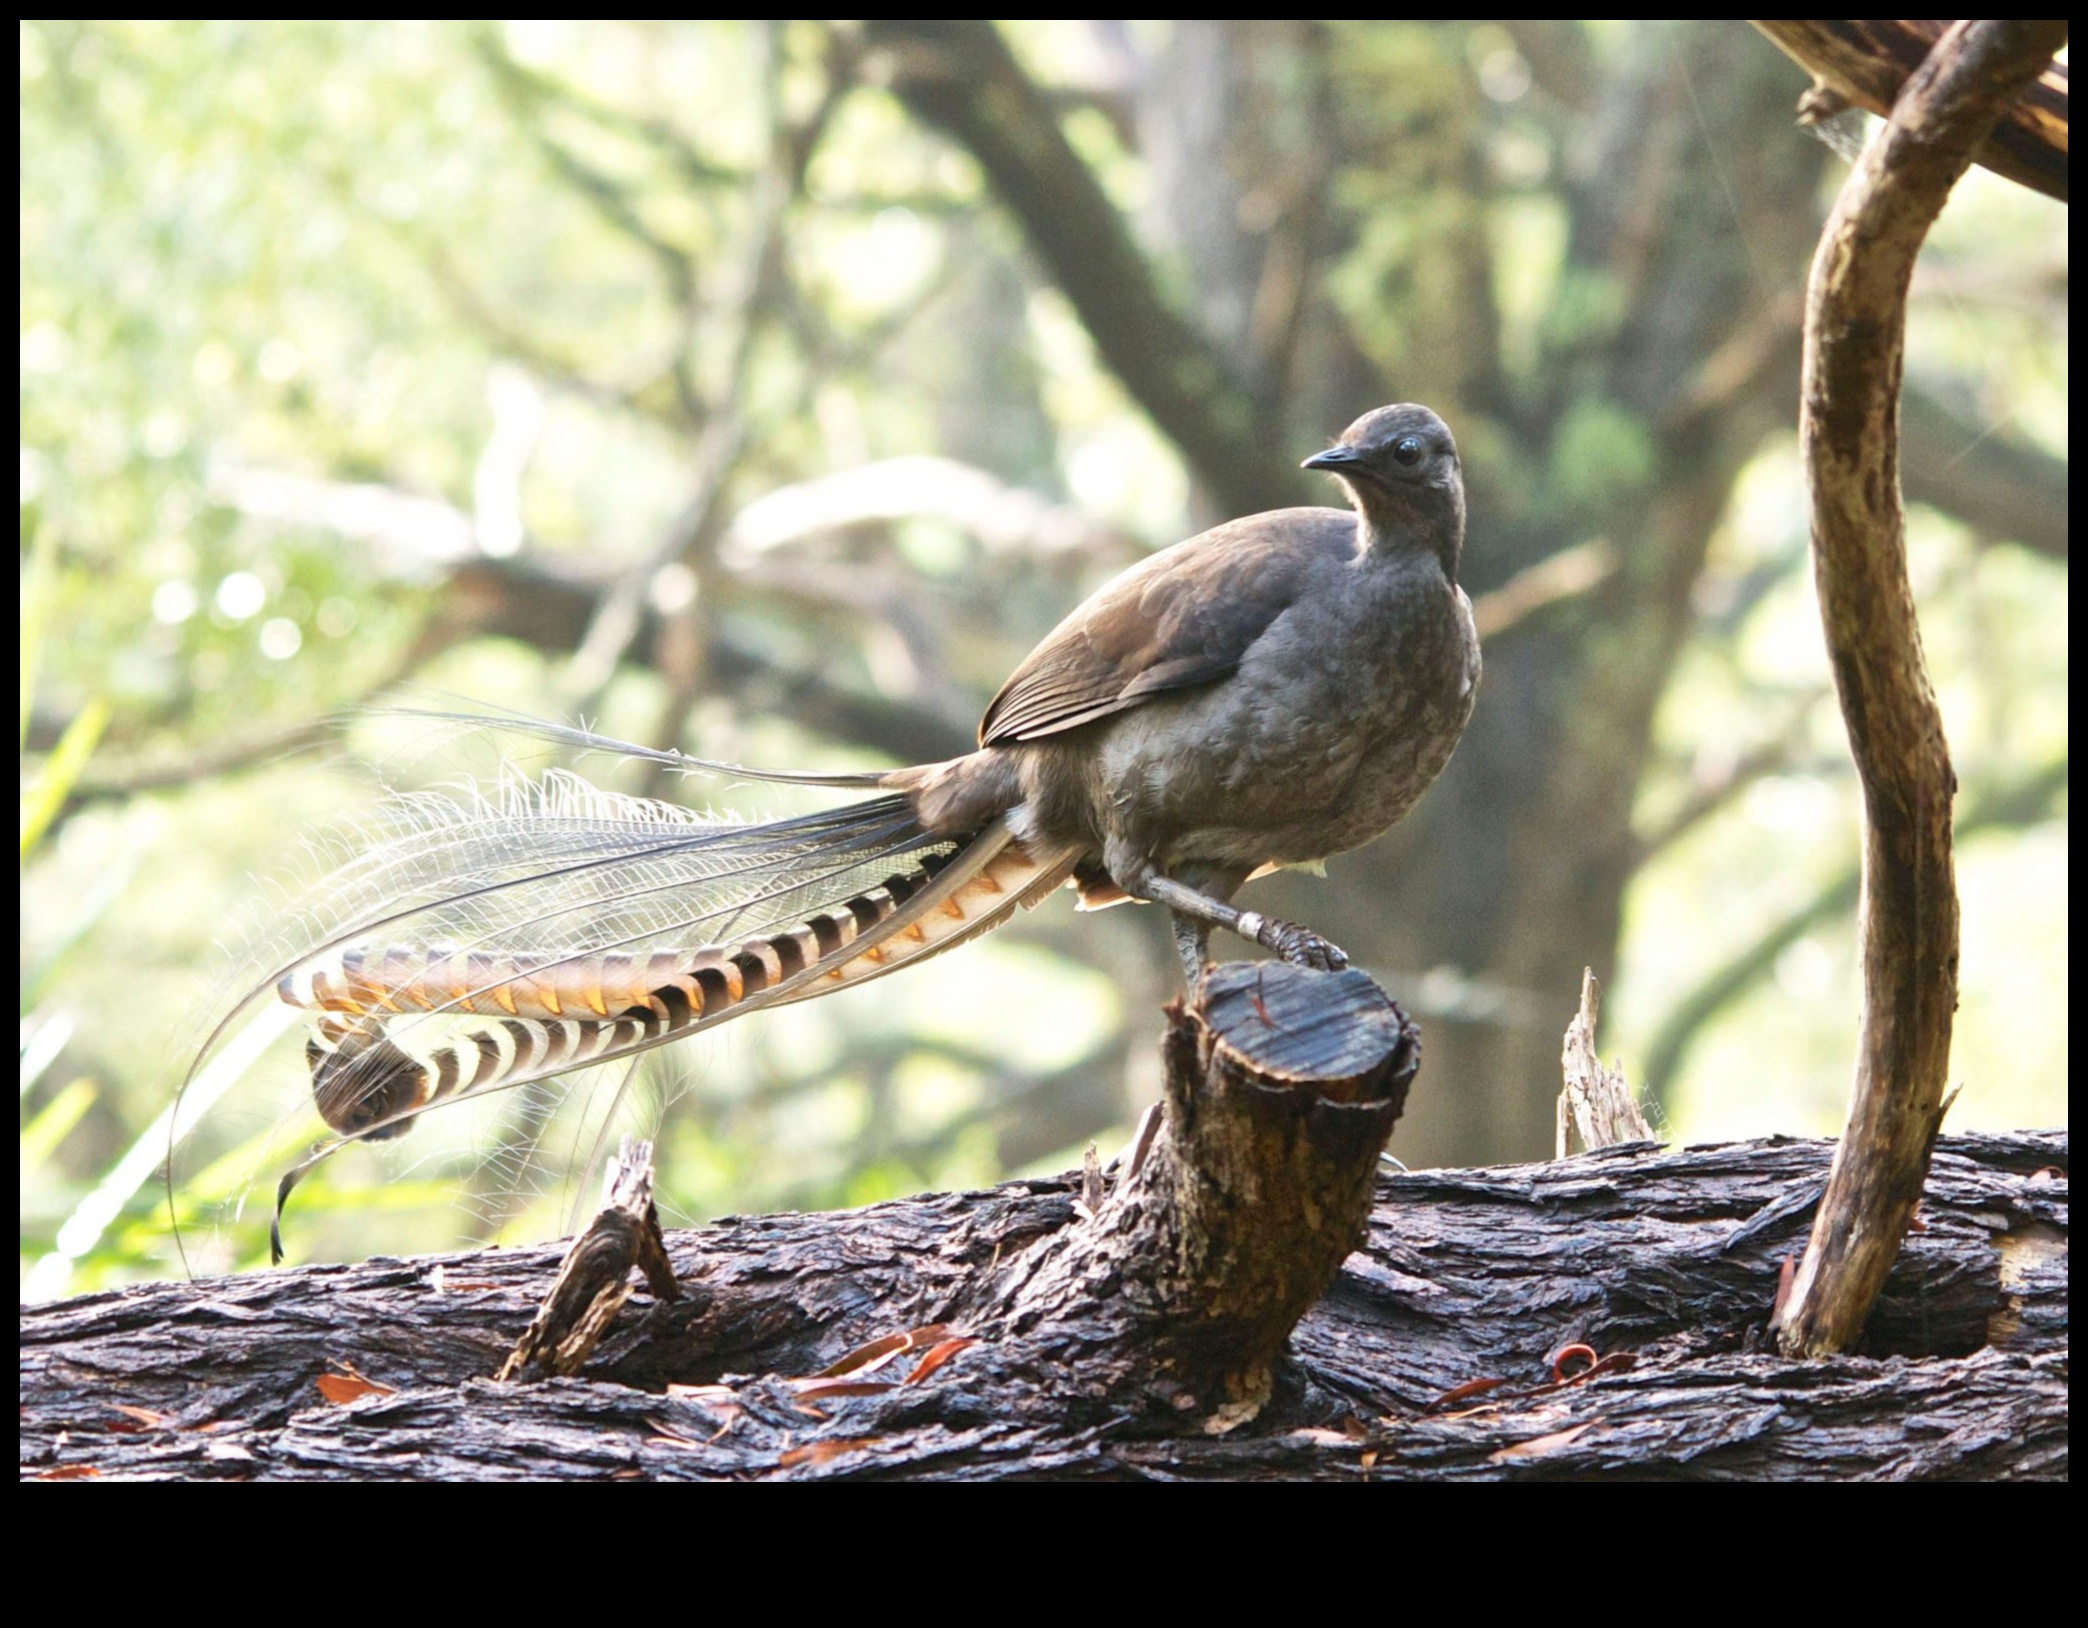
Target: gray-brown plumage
1272 692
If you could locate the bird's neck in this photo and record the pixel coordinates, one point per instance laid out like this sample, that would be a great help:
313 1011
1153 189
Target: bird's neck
1431 521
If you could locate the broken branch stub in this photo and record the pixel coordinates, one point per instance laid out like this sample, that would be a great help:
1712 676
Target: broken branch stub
594 1280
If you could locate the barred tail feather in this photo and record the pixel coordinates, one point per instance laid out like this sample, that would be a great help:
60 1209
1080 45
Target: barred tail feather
515 1019
470 940
544 1018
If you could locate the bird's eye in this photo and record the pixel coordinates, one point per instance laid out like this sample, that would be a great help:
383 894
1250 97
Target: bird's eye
1407 450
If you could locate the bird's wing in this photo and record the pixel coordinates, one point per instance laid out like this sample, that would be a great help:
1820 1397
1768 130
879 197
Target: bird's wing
1185 617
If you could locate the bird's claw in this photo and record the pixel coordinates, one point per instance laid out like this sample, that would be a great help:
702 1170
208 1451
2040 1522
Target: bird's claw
1310 950
1300 946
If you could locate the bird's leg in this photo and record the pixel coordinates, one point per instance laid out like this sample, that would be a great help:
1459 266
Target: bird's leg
1294 943
1193 942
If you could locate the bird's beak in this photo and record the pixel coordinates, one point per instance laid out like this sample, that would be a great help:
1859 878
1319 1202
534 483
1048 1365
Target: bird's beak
1336 457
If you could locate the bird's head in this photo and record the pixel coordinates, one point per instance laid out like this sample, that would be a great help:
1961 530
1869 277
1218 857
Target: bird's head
1401 470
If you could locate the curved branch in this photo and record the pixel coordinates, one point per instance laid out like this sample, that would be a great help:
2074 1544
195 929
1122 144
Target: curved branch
530 602
693 536
1573 571
1776 753
525 93
1855 337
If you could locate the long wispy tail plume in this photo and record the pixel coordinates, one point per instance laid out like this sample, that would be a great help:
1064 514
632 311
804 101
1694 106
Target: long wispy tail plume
481 941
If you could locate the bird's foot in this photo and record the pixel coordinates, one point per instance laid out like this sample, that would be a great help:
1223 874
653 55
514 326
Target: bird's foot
1300 946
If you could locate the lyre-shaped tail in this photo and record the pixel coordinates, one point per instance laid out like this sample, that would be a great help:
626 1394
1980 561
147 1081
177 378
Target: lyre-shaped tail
523 1017
480 943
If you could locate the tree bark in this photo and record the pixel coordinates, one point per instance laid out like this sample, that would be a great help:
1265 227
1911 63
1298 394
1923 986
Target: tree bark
1432 1356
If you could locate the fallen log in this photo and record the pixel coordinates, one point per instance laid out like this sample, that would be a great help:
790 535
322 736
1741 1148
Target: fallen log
1606 1314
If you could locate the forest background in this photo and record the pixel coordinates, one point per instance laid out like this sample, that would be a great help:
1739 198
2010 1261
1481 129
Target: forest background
769 389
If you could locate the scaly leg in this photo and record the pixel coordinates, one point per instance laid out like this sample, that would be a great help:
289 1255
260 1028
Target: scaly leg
1193 942
1300 945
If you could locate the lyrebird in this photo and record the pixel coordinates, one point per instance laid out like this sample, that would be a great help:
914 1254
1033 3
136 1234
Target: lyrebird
1273 691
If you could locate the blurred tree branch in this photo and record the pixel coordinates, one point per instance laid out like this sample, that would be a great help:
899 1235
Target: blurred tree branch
530 97
693 536
2029 801
961 77
651 391
1773 754
529 85
1999 485
2002 486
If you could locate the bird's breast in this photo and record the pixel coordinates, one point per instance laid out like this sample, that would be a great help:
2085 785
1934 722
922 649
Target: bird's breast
1323 739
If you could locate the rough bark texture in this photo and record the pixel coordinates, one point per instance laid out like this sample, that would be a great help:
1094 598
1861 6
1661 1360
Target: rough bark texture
594 1280
1663 1263
1855 335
